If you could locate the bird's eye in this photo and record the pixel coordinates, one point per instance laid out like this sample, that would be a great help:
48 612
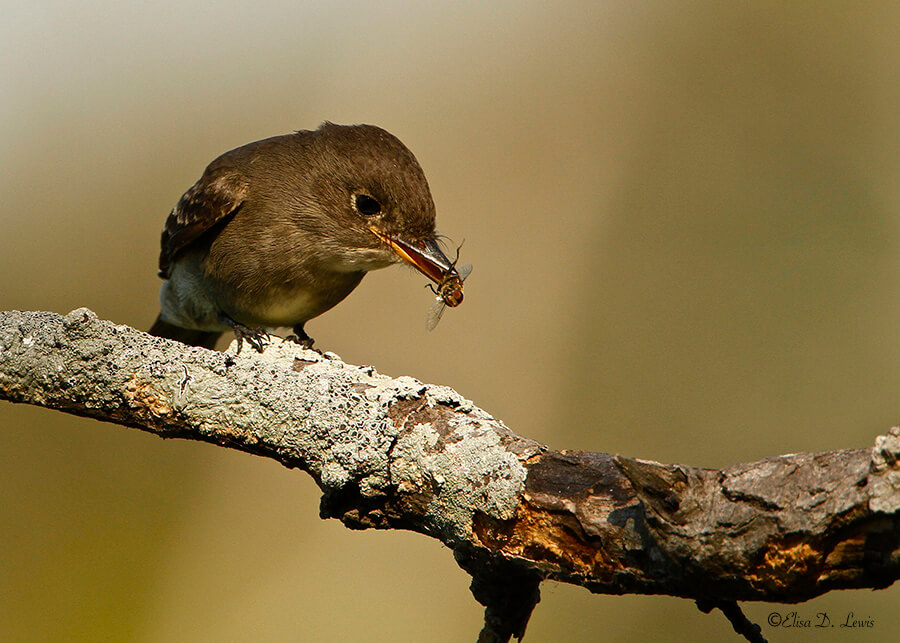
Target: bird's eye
366 205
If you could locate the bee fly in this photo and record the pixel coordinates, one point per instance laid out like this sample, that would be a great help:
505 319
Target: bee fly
449 291
428 258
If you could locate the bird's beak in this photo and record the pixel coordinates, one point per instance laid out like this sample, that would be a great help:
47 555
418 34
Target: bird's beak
426 256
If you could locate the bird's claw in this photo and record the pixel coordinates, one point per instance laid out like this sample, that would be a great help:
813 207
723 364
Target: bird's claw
305 342
258 338
300 337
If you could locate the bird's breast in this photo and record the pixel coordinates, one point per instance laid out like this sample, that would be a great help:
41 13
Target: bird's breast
284 308
289 302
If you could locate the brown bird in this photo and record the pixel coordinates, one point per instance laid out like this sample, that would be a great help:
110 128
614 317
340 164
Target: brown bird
278 231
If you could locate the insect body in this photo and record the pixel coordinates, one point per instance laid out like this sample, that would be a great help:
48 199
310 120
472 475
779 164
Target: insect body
449 293
431 262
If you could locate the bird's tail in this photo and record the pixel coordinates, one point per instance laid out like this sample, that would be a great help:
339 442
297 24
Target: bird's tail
204 338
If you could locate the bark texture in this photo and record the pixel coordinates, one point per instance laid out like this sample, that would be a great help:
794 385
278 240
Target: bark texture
397 453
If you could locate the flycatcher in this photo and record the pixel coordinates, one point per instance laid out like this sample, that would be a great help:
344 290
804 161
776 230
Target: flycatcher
278 231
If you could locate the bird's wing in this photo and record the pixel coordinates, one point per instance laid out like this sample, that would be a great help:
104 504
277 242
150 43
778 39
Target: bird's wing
219 193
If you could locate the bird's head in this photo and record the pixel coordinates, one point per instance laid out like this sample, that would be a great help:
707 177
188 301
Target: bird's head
379 206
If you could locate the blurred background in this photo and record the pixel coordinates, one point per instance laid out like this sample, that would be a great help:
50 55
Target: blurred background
684 219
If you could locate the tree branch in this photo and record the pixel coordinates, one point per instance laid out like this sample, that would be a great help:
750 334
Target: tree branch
399 454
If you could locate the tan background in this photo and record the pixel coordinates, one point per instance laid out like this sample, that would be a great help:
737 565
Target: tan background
685 224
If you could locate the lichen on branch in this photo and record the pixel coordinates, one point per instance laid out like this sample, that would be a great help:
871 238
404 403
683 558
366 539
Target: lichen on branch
397 453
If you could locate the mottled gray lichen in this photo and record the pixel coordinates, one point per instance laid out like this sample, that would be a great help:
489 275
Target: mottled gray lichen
885 488
302 407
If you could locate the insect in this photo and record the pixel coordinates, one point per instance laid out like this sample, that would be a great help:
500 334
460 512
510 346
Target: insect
449 291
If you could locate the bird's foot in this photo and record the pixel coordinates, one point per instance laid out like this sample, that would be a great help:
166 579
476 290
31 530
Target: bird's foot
300 337
256 337
301 341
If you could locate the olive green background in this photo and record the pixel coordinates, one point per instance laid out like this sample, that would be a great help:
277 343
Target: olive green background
685 224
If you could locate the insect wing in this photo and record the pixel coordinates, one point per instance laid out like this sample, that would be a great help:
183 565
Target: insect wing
436 310
434 314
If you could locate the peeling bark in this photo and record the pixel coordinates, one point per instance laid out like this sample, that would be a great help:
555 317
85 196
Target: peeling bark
396 453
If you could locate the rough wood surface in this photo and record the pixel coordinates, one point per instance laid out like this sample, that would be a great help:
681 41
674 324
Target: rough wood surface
397 453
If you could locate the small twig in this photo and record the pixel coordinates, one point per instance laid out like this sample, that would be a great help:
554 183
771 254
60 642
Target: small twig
509 595
732 611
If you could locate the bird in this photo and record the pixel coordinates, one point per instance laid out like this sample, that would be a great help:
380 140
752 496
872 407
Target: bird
278 231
